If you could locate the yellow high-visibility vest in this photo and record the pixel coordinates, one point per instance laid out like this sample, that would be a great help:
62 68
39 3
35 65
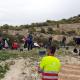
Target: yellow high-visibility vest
50 64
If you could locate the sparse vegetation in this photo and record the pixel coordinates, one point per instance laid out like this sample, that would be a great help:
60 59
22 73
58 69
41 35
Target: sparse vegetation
75 19
4 55
43 30
3 70
72 32
71 43
50 30
31 30
41 33
28 59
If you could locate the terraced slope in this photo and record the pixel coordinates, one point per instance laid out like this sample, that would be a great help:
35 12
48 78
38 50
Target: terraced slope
70 72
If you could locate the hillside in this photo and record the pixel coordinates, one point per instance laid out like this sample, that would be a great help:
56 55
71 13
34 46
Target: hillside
71 20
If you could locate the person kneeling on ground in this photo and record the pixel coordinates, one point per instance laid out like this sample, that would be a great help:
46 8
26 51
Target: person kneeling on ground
50 66
15 45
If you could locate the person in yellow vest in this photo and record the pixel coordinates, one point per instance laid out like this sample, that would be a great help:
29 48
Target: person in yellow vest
50 66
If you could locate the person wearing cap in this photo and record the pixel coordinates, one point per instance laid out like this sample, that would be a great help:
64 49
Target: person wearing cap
50 66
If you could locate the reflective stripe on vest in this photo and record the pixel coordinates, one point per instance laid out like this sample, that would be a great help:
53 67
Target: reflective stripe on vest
50 76
49 79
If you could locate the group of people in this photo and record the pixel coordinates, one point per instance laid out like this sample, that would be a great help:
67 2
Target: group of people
6 43
49 65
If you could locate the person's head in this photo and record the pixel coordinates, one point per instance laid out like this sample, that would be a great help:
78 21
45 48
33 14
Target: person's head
50 38
51 50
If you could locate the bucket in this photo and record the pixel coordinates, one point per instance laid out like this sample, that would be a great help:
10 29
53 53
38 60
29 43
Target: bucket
42 53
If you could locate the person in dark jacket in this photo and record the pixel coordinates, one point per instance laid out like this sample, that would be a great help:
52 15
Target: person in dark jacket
1 46
79 52
30 42
49 42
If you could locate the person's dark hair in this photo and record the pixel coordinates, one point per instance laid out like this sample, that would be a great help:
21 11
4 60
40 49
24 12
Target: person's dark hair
52 49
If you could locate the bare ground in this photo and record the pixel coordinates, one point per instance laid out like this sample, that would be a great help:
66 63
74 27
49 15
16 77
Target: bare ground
22 70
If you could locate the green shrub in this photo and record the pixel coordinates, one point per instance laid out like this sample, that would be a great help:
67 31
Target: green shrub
72 32
43 30
3 70
71 43
56 43
31 30
50 31
7 55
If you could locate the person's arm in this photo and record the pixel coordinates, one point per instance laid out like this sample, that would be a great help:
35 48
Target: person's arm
41 66
40 70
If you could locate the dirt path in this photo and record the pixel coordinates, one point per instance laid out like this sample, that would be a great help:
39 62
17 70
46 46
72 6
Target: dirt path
21 70
15 71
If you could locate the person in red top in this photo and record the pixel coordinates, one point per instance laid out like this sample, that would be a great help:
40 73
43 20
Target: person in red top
15 45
